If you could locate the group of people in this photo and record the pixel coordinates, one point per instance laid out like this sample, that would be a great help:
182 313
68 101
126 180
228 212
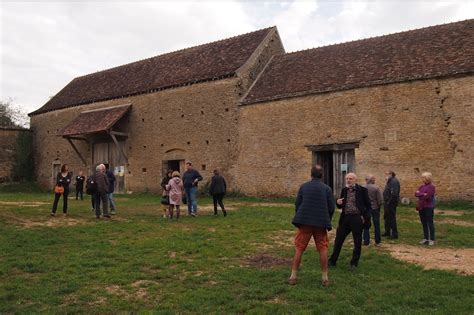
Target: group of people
101 186
177 190
361 206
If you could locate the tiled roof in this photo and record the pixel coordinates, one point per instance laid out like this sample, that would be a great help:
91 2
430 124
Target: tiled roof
430 52
206 62
94 121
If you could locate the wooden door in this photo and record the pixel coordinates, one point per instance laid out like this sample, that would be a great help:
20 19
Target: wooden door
108 153
343 163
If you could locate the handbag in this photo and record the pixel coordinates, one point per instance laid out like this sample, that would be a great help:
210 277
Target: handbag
165 200
418 205
58 189
185 200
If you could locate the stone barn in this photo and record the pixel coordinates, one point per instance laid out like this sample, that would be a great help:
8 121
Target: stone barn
402 102
147 116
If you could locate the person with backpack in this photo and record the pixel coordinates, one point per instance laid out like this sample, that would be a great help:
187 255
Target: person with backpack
101 193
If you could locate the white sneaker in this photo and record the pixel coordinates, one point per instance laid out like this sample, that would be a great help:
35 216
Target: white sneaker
430 243
423 241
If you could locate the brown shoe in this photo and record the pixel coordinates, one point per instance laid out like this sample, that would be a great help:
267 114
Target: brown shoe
325 283
291 281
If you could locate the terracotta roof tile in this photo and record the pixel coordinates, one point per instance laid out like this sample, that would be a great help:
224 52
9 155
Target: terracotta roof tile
434 51
94 121
201 63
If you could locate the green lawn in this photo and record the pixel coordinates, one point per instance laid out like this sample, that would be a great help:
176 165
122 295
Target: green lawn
140 262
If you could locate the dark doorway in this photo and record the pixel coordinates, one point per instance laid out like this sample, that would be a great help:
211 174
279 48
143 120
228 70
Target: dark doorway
174 165
324 158
337 160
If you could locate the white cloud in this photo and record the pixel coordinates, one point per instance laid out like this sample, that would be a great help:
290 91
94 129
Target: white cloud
44 45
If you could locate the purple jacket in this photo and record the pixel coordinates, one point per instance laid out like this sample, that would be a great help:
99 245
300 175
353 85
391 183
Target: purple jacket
426 201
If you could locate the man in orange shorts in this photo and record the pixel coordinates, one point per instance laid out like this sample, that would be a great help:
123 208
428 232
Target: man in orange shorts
314 208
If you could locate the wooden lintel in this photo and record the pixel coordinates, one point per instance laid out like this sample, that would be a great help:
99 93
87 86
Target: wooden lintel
333 146
76 138
118 133
77 151
118 145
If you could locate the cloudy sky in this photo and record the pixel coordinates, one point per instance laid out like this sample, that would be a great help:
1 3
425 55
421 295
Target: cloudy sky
44 45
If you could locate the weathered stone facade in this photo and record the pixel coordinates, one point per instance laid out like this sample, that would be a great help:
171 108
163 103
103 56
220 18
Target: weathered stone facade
196 122
8 148
273 115
408 127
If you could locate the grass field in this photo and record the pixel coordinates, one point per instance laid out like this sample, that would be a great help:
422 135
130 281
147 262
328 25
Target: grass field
140 262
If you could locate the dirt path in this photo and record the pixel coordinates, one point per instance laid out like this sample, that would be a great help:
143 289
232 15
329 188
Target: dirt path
459 260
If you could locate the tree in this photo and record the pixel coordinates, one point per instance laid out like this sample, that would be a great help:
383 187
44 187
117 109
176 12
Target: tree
12 116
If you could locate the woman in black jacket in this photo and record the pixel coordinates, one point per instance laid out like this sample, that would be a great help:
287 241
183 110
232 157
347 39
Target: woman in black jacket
63 179
217 190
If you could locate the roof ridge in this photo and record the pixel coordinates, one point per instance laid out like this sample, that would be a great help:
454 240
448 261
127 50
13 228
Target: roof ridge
375 37
174 52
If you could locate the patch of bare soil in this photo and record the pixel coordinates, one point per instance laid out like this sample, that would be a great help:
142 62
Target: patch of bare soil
23 203
456 213
263 204
456 222
459 260
50 222
266 261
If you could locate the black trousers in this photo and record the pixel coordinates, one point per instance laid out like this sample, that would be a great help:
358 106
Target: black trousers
217 199
79 191
390 220
426 218
56 201
349 223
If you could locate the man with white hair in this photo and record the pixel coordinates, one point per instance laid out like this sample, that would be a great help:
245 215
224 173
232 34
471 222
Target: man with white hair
355 204
101 193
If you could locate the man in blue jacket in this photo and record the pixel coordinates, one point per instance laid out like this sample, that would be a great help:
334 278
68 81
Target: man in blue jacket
314 208
355 204
190 181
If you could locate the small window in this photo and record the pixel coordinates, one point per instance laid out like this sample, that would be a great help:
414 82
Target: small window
203 167
144 170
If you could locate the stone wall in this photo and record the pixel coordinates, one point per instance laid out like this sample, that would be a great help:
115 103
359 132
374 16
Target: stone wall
8 147
408 127
197 123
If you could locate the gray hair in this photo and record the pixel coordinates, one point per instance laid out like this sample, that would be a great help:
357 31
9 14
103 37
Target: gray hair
100 167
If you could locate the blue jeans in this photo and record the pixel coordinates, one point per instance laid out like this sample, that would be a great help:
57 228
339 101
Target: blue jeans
376 223
111 201
191 196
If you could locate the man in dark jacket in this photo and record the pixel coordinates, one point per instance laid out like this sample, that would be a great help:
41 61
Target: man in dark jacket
101 193
391 195
217 190
355 204
314 208
190 181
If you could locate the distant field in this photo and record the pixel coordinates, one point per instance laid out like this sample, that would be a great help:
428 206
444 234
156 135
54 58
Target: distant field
139 261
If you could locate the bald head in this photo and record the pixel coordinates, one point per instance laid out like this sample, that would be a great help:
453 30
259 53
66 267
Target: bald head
351 179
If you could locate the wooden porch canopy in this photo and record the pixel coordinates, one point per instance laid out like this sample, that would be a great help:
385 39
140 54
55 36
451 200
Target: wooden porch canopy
93 122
